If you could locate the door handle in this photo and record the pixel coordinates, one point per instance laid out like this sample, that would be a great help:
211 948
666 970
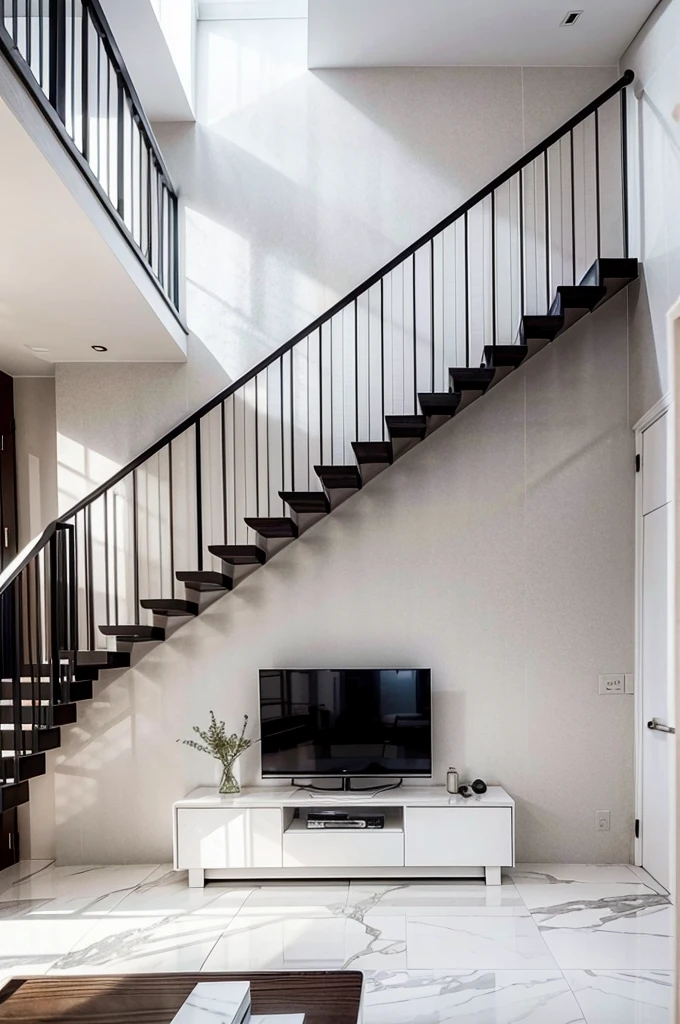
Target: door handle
658 726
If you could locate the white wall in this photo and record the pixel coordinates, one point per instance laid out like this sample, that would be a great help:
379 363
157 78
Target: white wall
654 123
500 553
298 184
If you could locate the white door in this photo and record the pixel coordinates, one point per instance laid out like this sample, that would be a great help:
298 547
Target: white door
657 746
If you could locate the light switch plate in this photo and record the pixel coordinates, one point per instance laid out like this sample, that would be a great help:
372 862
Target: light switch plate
615 682
602 821
629 685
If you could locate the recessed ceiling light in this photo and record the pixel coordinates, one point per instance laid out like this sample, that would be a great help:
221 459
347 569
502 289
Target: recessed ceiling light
571 18
100 348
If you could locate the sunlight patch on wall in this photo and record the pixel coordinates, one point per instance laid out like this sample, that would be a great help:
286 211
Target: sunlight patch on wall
241 75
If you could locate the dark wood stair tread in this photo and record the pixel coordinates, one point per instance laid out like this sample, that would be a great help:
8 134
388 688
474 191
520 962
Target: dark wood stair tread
504 355
274 526
306 501
539 328
169 606
24 767
401 426
13 794
572 302
611 273
470 378
134 634
371 453
439 403
102 659
204 580
335 478
34 740
64 714
40 689
239 554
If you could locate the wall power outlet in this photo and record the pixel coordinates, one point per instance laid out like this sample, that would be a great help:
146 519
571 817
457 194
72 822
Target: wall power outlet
613 683
602 821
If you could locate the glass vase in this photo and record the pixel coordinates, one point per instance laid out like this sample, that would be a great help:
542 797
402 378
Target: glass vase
228 783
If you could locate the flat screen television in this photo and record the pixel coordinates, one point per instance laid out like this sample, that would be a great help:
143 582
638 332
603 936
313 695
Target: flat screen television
346 722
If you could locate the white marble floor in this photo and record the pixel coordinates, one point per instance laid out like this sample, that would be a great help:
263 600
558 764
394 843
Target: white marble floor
555 944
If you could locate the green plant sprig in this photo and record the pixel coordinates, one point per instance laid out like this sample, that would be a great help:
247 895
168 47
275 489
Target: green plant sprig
224 748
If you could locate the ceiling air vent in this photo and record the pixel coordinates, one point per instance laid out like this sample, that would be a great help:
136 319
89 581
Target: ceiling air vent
571 18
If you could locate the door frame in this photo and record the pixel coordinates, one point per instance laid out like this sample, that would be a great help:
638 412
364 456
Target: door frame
658 410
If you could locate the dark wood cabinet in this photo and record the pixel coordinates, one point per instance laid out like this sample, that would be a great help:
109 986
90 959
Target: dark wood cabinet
9 839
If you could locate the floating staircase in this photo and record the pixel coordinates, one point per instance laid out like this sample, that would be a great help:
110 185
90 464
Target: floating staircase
314 471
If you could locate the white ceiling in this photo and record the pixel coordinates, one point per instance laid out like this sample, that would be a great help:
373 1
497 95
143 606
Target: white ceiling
61 286
420 33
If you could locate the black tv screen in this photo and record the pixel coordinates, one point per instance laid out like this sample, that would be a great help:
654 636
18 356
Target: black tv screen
345 722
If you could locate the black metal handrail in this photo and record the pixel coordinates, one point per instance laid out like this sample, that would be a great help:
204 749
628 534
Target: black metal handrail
464 286
65 54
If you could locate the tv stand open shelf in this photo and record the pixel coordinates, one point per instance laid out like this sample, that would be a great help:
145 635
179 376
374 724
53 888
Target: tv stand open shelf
262 834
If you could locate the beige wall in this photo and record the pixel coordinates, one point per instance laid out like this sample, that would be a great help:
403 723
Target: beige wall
500 553
36 426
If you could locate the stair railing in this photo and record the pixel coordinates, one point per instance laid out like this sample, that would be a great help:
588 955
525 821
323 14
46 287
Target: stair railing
462 286
66 56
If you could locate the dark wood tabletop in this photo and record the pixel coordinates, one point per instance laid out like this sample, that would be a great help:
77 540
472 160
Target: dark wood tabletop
325 997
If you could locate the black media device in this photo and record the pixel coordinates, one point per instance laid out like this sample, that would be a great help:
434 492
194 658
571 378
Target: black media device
341 723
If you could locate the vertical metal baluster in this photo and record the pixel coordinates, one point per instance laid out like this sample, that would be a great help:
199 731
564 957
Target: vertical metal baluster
30 650
281 423
493 268
292 423
90 579
520 215
98 117
467 293
41 43
73 71
257 448
415 348
309 457
135 547
382 356
573 206
120 149
199 497
546 188
38 626
57 46
14 596
356 370
73 589
597 183
432 314
29 33
320 397
233 459
116 604
171 522
106 552
331 378
223 441
84 82
266 424
15 22
54 629
624 171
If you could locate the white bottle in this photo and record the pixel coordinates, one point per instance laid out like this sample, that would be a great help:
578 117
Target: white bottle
452 780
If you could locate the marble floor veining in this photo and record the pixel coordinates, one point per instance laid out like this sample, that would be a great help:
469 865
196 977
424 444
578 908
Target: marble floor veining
555 944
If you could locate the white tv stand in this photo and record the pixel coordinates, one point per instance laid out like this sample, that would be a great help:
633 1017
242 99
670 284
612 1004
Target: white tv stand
262 834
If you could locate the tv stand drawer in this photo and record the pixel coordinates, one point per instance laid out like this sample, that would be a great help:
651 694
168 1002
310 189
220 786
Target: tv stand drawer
458 836
338 849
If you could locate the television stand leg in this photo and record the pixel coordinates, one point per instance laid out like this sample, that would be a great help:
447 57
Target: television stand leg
493 876
196 878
